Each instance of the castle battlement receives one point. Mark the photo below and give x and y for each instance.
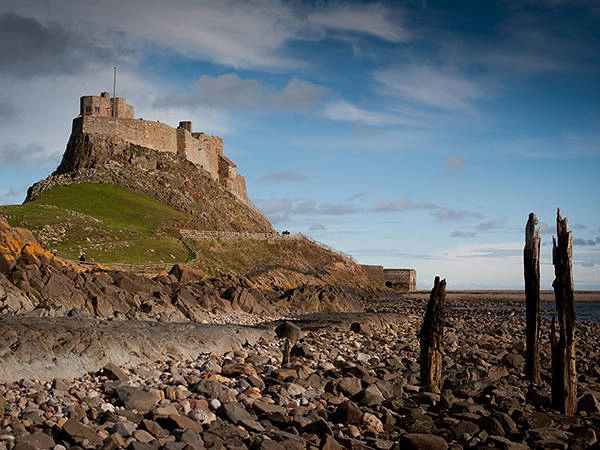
(113, 117)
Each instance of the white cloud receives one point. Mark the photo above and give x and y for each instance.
(403, 204)
(347, 112)
(336, 209)
(240, 34)
(429, 86)
(491, 224)
(455, 163)
(449, 214)
(230, 92)
(369, 19)
(463, 234)
(282, 175)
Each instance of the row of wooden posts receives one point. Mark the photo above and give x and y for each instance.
(564, 376)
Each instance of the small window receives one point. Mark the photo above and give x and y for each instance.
(96, 109)
(88, 109)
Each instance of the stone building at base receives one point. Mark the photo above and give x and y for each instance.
(404, 280)
(401, 279)
(113, 117)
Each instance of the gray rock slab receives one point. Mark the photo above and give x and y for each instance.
(49, 348)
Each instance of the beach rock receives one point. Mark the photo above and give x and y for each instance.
(371, 423)
(507, 444)
(328, 442)
(202, 416)
(36, 440)
(422, 441)
(416, 422)
(514, 360)
(114, 372)
(464, 430)
(288, 330)
(236, 369)
(347, 412)
(76, 433)
(370, 396)
(136, 398)
(588, 402)
(175, 421)
(186, 274)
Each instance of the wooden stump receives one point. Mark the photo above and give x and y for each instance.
(531, 265)
(564, 375)
(431, 338)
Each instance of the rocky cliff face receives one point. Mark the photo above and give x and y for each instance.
(166, 177)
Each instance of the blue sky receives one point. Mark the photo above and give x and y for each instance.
(407, 134)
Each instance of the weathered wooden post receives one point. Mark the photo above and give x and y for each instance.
(431, 338)
(531, 265)
(564, 375)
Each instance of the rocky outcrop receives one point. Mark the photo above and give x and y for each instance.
(34, 281)
(166, 177)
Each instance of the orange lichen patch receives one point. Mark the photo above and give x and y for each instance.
(10, 248)
(19, 244)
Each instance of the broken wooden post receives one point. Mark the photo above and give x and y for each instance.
(531, 265)
(431, 338)
(564, 375)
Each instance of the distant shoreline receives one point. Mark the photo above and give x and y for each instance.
(507, 295)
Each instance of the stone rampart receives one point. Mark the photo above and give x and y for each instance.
(375, 273)
(401, 279)
(193, 150)
(237, 186)
(154, 135)
(212, 147)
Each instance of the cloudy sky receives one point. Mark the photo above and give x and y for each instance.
(404, 133)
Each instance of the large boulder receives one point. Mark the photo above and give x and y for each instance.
(312, 298)
(186, 274)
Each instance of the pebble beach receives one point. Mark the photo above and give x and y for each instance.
(352, 382)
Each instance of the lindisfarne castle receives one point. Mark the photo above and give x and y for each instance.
(114, 118)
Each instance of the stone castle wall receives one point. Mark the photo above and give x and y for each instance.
(374, 272)
(154, 135)
(237, 186)
(113, 117)
(212, 148)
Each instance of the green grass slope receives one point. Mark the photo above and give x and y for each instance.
(105, 222)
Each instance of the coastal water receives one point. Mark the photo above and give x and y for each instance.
(584, 312)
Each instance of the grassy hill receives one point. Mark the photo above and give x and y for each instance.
(112, 224)
(105, 222)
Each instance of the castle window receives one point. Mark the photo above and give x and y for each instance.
(88, 109)
(96, 109)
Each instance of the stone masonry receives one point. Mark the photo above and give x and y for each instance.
(404, 280)
(113, 117)
(401, 279)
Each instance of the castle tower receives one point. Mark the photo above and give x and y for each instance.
(104, 106)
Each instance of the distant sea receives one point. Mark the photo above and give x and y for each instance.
(584, 311)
